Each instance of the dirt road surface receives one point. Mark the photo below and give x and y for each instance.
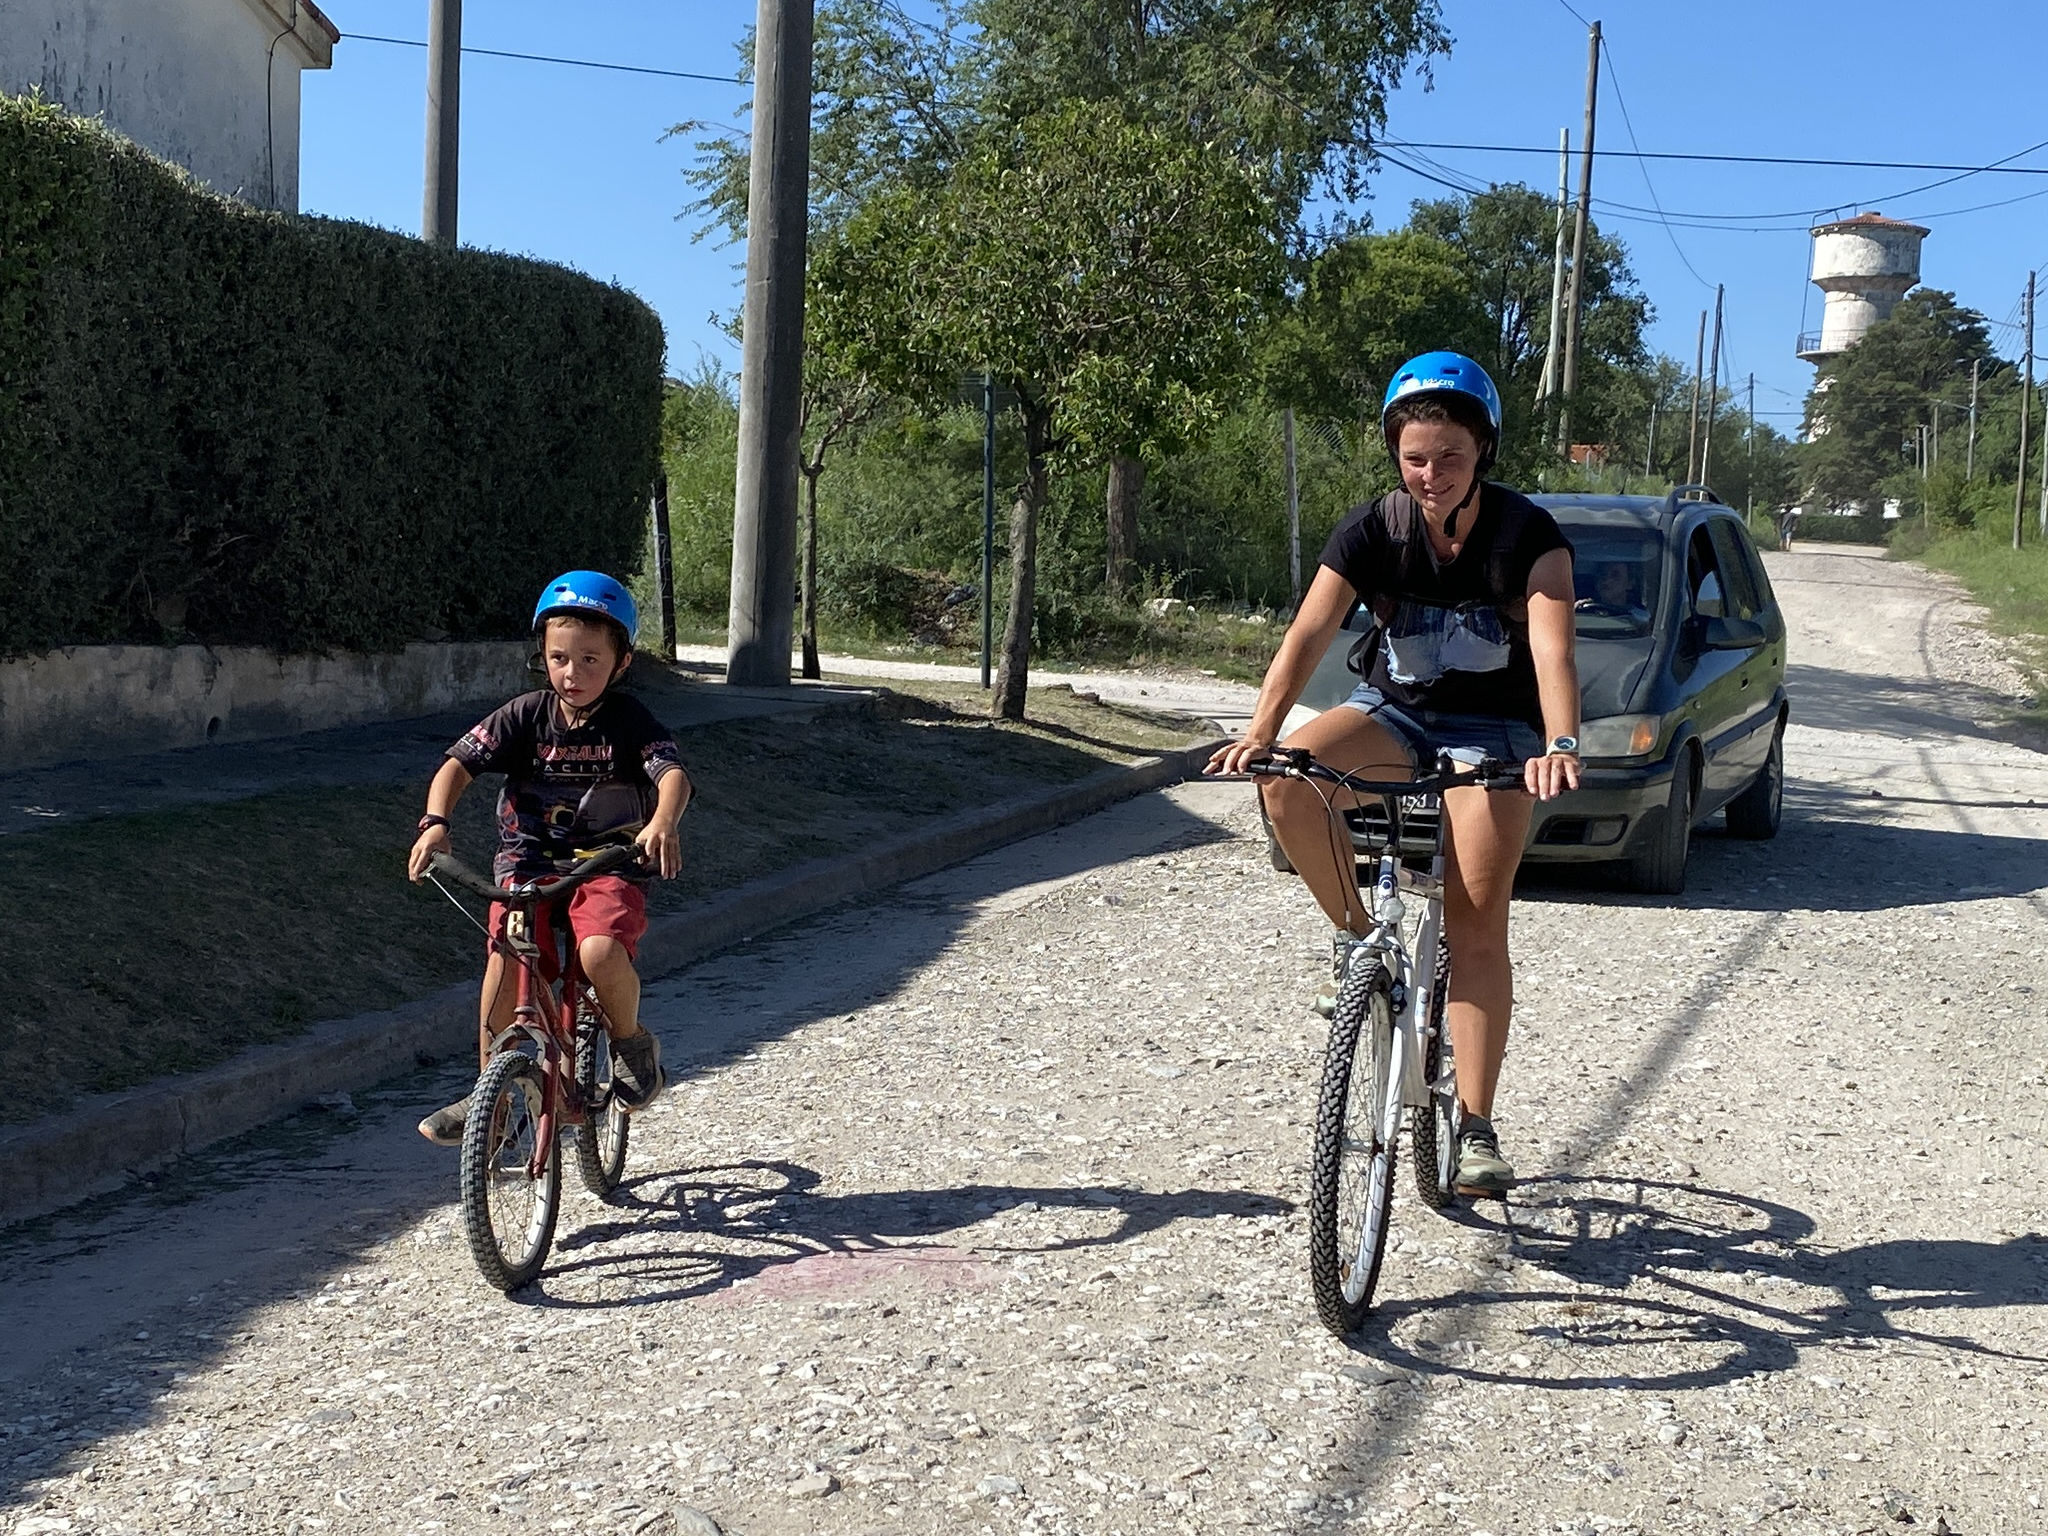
(977, 1211)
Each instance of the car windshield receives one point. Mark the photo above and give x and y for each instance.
(1615, 571)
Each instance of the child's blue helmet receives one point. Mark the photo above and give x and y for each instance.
(588, 594)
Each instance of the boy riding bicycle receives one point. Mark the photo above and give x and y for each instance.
(570, 753)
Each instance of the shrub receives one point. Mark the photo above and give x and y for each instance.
(235, 426)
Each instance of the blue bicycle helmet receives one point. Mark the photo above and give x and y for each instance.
(586, 594)
(1448, 373)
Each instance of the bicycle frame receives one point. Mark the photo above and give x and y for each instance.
(546, 1021)
(1413, 973)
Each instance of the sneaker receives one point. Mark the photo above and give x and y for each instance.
(444, 1126)
(1340, 952)
(637, 1078)
(1481, 1169)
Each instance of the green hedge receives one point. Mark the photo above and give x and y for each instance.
(233, 426)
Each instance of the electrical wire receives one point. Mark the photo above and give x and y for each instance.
(544, 58)
(1996, 168)
(1614, 84)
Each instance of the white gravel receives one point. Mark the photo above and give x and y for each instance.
(978, 1214)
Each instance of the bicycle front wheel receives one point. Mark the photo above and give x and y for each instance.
(1351, 1166)
(1433, 1130)
(508, 1210)
(601, 1138)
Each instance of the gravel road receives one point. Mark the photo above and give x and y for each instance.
(978, 1212)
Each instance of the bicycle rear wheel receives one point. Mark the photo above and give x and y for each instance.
(601, 1138)
(1351, 1166)
(507, 1211)
(1433, 1131)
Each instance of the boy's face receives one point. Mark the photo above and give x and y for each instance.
(581, 658)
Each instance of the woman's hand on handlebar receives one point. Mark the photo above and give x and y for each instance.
(432, 841)
(1551, 775)
(1236, 756)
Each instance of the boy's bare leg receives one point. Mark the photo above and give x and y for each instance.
(495, 1007)
(611, 973)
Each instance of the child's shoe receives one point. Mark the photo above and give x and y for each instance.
(637, 1077)
(444, 1126)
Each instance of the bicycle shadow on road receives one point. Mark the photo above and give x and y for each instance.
(1745, 1288)
(699, 1232)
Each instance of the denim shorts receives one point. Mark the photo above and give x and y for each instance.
(1425, 732)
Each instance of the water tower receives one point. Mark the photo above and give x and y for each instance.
(1863, 266)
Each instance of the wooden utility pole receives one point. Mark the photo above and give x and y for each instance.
(1293, 505)
(2019, 490)
(1650, 452)
(1713, 395)
(1548, 386)
(1970, 453)
(1692, 440)
(988, 523)
(444, 121)
(772, 351)
(1568, 376)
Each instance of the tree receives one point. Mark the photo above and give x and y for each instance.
(1866, 403)
(1108, 271)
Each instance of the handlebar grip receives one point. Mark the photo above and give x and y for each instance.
(455, 872)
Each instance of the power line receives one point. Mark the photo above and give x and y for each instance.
(544, 58)
(1995, 169)
(1614, 84)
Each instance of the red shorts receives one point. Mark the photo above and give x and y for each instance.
(609, 905)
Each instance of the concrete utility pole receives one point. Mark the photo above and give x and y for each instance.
(762, 606)
(664, 564)
(988, 522)
(1749, 476)
(2019, 490)
(1569, 375)
(1970, 453)
(1713, 394)
(1548, 386)
(1650, 452)
(1692, 439)
(444, 121)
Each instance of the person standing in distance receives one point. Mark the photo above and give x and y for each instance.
(1471, 587)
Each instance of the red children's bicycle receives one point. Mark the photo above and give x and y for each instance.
(548, 1072)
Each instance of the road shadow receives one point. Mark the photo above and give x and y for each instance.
(1753, 1290)
(1831, 699)
(718, 1227)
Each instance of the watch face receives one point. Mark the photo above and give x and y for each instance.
(1564, 744)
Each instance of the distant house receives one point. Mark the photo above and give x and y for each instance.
(210, 84)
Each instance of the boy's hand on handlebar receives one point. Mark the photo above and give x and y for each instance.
(432, 841)
(1236, 756)
(661, 846)
(1551, 775)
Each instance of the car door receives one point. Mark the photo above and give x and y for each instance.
(1749, 742)
(1710, 681)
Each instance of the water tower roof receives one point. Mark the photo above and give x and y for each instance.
(1868, 221)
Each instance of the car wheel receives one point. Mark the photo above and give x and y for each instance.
(1755, 812)
(1275, 854)
(1659, 869)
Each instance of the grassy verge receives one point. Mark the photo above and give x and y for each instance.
(168, 941)
(1102, 636)
(2012, 584)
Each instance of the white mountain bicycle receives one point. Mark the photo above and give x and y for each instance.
(1389, 1050)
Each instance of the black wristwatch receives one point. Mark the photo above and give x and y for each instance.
(432, 820)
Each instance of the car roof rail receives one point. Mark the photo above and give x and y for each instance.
(1691, 493)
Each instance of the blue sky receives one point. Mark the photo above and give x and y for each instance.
(569, 164)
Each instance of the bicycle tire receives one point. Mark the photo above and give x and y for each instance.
(601, 1138)
(1433, 1130)
(1346, 1246)
(498, 1146)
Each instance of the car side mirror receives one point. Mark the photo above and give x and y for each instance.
(1720, 633)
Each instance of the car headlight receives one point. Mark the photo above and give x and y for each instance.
(1618, 736)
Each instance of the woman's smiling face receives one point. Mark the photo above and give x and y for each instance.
(1439, 460)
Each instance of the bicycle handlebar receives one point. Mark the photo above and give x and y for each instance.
(1488, 773)
(529, 894)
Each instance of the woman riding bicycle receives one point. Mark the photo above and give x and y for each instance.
(1471, 585)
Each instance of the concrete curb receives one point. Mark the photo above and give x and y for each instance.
(112, 1137)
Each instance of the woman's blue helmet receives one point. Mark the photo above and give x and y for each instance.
(588, 594)
(1445, 373)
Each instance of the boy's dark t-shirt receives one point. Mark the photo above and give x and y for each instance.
(550, 766)
(1454, 635)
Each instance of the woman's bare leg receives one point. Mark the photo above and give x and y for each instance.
(1348, 740)
(1487, 831)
